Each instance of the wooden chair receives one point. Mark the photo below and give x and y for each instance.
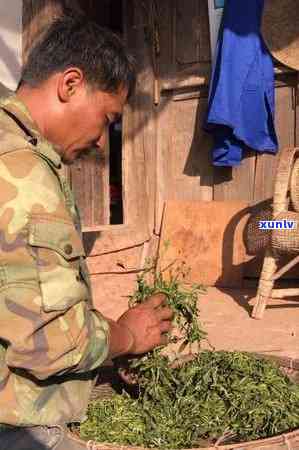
(281, 242)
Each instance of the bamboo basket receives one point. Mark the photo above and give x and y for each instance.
(109, 382)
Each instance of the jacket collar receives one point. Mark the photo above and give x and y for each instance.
(16, 108)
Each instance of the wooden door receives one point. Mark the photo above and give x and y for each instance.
(184, 169)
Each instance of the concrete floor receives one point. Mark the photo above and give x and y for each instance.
(225, 315)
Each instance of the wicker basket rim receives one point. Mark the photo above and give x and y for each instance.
(283, 438)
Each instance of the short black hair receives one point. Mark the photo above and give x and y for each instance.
(80, 42)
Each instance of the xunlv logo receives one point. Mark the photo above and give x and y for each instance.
(277, 224)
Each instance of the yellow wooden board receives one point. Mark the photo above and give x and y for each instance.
(208, 237)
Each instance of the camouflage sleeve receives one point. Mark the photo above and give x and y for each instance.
(45, 316)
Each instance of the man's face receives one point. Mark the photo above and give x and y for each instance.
(87, 119)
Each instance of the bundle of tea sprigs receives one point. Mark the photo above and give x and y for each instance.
(217, 396)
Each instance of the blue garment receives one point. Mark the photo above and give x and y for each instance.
(241, 99)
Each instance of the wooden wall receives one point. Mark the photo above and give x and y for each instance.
(183, 168)
(38, 14)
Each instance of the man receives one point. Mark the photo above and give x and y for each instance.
(75, 83)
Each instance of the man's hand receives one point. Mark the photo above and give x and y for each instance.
(141, 328)
(148, 323)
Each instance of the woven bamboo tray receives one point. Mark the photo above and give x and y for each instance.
(109, 382)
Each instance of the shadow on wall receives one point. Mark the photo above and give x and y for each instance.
(255, 242)
(198, 160)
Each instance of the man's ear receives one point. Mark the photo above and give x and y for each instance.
(68, 83)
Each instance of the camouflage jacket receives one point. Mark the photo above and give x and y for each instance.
(51, 338)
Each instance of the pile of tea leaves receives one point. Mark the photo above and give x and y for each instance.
(218, 396)
(229, 395)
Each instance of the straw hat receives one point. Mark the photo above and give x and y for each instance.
(280, 30)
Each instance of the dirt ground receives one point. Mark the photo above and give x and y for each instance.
(225, 315)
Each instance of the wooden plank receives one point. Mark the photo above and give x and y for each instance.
(114, 238)
(167, 68)
(120, 262)
(167, 65)
(184, 171)
(191, 33)
(135, 195)
(204, 33)
(190, 173)
(187, 45)
(236, 183)
(185, 53)
(212, 248)
(90, 184)
(100, 185)
(134, 186)
(144, 132)
(187, 79)
(163, 149)
(285, 116)
(265, 176)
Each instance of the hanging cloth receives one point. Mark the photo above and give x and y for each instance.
(241, 98)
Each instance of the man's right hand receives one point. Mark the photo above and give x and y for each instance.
(141, 328)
